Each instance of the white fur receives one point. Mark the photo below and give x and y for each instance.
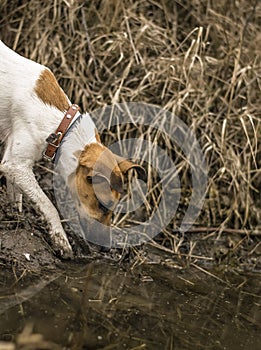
(25, 123)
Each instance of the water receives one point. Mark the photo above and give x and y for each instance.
(104, 305)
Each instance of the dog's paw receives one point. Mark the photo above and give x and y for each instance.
(61, 245)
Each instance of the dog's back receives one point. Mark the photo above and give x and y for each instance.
(17, 80)
(32, 104)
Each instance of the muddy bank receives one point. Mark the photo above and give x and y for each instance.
(25, 250)
(24, 240)
(28, 251)
(24, 243)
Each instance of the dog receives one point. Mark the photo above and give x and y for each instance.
(33, 108)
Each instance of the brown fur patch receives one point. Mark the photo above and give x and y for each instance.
(49, 91)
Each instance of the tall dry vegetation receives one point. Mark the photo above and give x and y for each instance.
(198, 59)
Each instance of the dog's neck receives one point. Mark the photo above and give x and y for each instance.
(77, 115)
(80, 133)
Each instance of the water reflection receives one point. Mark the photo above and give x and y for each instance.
(107, 306)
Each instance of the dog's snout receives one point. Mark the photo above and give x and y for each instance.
(106, 207)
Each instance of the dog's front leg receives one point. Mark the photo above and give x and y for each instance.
(24, 178)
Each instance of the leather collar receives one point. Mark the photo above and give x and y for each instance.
(54, 140)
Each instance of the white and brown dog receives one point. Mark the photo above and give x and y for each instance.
(33, 107)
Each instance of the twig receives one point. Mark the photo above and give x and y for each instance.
(209, 273)
(220, 229)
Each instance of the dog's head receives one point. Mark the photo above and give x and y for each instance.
(99, 181)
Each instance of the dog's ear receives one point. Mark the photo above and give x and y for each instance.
(125, 165)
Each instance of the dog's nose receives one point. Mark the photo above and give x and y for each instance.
(106, 207)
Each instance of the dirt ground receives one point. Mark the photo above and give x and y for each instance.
(23, 235)
(24, 242)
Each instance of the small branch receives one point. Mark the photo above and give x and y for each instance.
(220, 229)
(209, 273)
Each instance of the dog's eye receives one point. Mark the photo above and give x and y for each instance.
(95, 180)
(89, 179)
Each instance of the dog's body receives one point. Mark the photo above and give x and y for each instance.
(32, 106)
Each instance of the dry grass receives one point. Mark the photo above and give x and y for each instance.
(198, 59)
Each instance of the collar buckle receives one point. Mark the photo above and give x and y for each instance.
(55, 138)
